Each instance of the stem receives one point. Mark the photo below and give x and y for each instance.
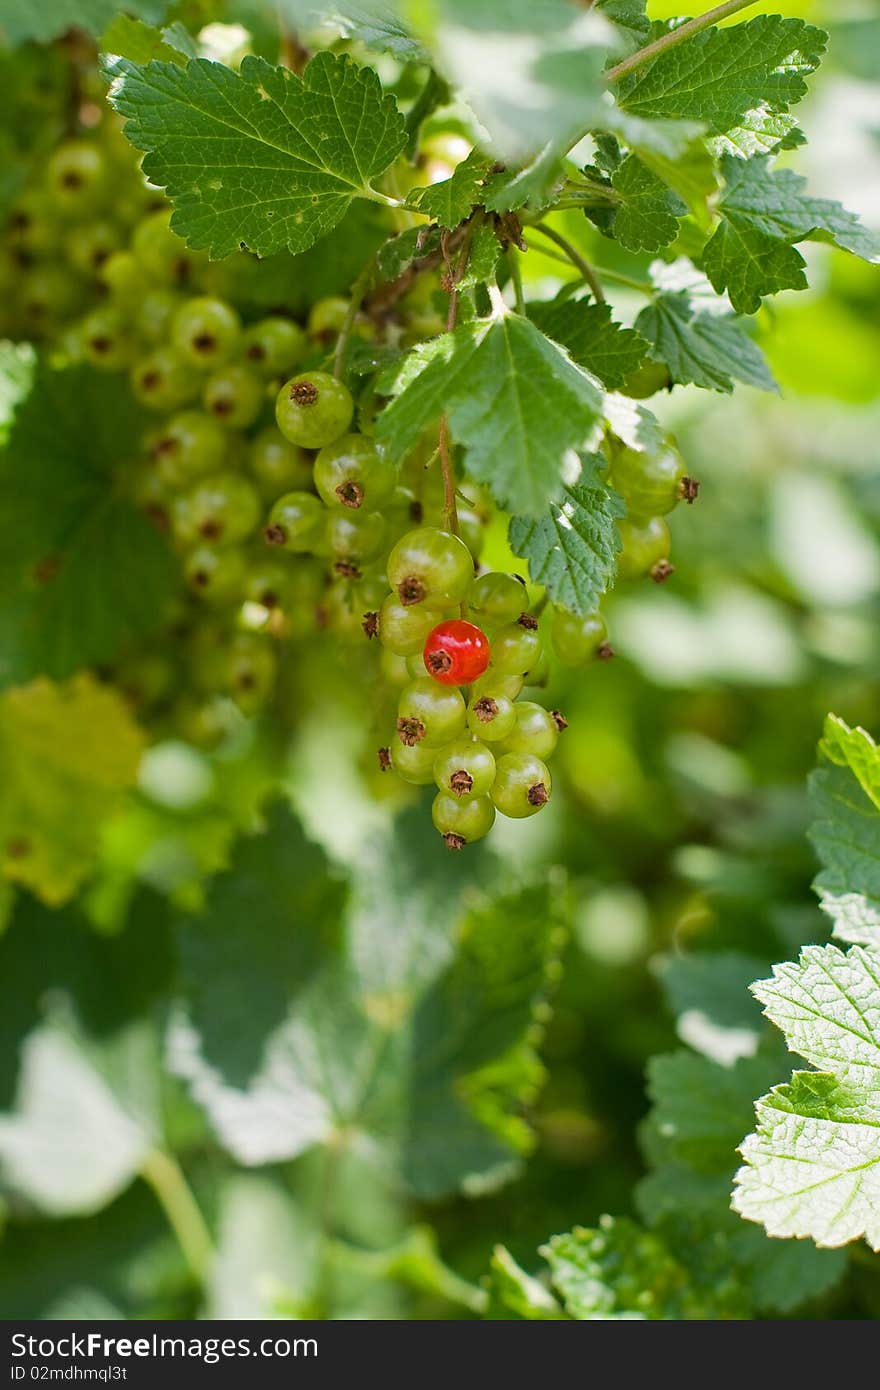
(450, 510)
(164, 1175)
(358, 290)
(575, 257)
(629, 280)
(674, 37)
(434, 93)
(516, 277)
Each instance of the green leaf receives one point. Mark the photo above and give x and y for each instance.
(84, 1119)
(699, 1109)
(130, 38)
(762, 213)
(628, 16)
(709, 994)
(485, 249)
(646, 212)
(711, 350)
(452, 200)
(400, 251)
(592, 337)
(691, 173)
(266, 1248)
(403, 1032)
(572, 549)
(845, 799)
(308, 146)
(514, 1293)
(719, 75)
(619, 1271)
(20, 20)
(531, 73)
(536, 183)
(812, 1167)
(373, 22)
(514, 400)
(82, 572)
(67, 755)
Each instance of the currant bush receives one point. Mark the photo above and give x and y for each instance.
(261, 463)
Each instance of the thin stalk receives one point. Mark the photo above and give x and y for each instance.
(164, 1175)
(450, 510)
(575, 257)
(516, 278)
(675, 37)
(629, 280)
(453, 275)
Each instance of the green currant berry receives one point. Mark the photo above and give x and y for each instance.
(472, 530)
(403, 630)
(645, 550)
(191, 445)
(516, 647)
(162, 253)
(91, 245)
(497, 598)
(273, 346)
(354, 536)
(32, 226)
(162, 381)
(313, 409)
(208, 656)
(351, 473)
(539, 674)
(651, 484)
(646, 380)
(146, 678)
(462, 822)
(414, 762)
(202, 723)
(225, 509)
(206, 331)
(48, 295)
(536, 730)
(430, 713)
(393, 668)
(491, 717)
(296, 521)
(269, 581)
(153, 314)
(76, 177)
(218, 576)
(494, 683)
(124, 280)
(576, 640)
(349, 605)
(105, 338)
(233, 395)
(466, 768)
(327, 317)
(277, 465)
(251, 671)
(430, 566)
(522, 785)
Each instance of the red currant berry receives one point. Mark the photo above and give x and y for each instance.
(456, 652)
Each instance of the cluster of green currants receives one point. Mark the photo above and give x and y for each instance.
(65, 234)
(651, 482)
(462, 649)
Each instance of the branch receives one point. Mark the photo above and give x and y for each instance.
(574, 256)
(674, 37)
